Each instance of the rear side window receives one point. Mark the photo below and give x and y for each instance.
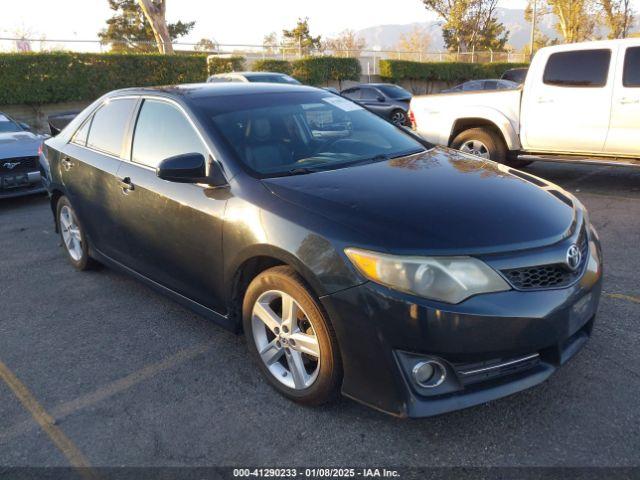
(162, 131)
(582, 68)
(109, 125)
(491, 85)
(631, 77)
(80, 137)
(369, 94)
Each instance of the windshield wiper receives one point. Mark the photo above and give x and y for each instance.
(301, 171)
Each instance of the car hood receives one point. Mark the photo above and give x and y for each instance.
(439, 201)
(19, 144)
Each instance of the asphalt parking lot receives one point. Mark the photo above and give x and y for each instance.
(110, 373)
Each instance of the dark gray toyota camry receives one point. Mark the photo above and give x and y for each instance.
(355, 257)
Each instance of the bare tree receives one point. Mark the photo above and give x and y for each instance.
(413, 45)
(155, 11)
(346, 44)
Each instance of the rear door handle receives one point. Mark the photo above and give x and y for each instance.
(127, 185)
(66, 163)
(629, 101)
(545, 100)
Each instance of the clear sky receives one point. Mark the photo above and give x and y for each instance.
(228, 22)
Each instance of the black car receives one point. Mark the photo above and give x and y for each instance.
(355, 257)
(516, 75)
(385, 99)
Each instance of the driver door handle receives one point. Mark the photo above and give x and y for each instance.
(127, 185)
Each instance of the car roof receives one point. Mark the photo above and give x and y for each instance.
(205, 90)
(250, 74)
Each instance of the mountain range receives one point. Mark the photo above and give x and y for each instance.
(384, 37)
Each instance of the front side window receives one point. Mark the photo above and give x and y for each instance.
(162, 131)
(395, 92)
(631, 77)
(369, 94)
(109, 125)
(580, 68)
(292, 133)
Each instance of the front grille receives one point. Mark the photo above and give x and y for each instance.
(557, 275)
(18, 164)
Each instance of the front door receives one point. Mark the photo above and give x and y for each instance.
(624, 130)
(568, 108)
(174, 230)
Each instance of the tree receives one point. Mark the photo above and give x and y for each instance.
(270, 43)
(618, 16)
(300, 38)
(540, 40)
(576, 19)
(130, 30)
(413, 45)
(206, 45)
(469, 24)
(346, 44)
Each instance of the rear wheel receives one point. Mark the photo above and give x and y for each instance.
(398, 117)
(486, 143)
(73, 237)
(292, 341)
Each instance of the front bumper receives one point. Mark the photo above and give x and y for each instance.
(384, 333)
(19, 184)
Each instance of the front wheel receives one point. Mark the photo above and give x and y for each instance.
(486, 143)
(292, 341)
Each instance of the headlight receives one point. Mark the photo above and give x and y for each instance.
(446, 279)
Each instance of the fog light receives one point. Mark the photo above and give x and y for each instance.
(429, 374)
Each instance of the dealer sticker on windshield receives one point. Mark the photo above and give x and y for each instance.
(342, 103)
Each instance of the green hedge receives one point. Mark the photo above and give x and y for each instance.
(224, 64)
(39, 78)
(271, 65)
(321, 70)
(397, 70)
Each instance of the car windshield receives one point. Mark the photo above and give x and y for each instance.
(8, 126)
(272, 79)
(291, 133)
(394, 91)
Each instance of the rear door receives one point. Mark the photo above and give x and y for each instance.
(624, 130)
(567, 109)
(89, 163)
(174, 230)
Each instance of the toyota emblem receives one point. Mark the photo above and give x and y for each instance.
(573, 257)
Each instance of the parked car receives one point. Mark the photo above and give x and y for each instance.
(354, 255)
(19, 172)
(580, 103)
(478, 85)
(385, 99)
(253, 77)
(60, 120)
(517, 75)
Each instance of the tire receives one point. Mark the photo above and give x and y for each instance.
(398, 117)
(285, 345)
(73, 236)
(482, 142)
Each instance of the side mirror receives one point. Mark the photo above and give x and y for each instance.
(381, 99)
(190, 168)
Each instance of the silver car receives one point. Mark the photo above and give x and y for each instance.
(19, 166)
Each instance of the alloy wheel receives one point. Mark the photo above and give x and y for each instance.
(475, 147)
(399, 118)
(71, 233)
(285, 339)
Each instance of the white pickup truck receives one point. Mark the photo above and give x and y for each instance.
(579, 103)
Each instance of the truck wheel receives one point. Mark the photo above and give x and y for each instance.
(482, 142)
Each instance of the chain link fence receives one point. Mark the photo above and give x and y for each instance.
(369, 58)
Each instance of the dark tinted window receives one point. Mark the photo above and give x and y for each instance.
(369, 94)
(491, 85)
(394, 91)
(109, 125)
(582, 68)
(632, 68)
(162, 131)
